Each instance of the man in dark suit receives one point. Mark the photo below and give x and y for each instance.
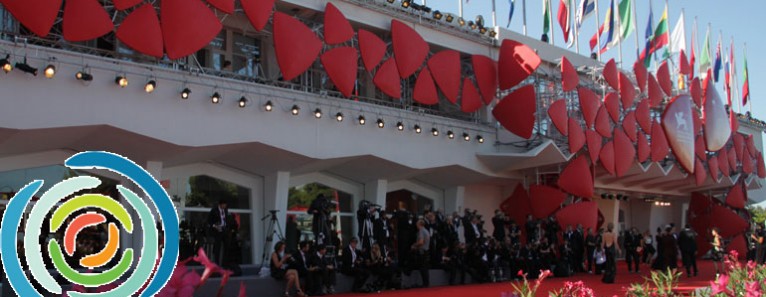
(382, 231)
(321, 273)
(472, 231)
(352, 265)
(217, 221)
(687, 243)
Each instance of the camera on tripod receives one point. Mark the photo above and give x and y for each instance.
(365, 205)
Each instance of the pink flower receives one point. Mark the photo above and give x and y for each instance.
(719, 286)
(210, 267)
(544, 274)
(520, 273)
(242, 292)
(752, 289)
(182, 283)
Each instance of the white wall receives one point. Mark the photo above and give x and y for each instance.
(485, 199)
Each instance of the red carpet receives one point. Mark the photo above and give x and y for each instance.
(624, 280)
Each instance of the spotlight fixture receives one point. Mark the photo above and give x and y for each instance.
(339, 116)
(466, 137)
(295, 109)
(381, 123)
(437, 15)
(492, 33)
(83, 76)
(242, 102)
(434, 132)
(472, 25)
(186, 92)
(362, 120)
(406, 3)
(318, 113)
(391, 1)
(6, 63)
(268, 106)
(215, 98)
(603, 195)
(482, 30)
(23, 66)
(479, 21)
(461, 21)
(450, 134)
(480, 139)
(449, 18)
(50, 71)
(399, 126)
(417, 129)
(150, 86)
(121, 80)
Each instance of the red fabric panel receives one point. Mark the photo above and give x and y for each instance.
(569, 77)
(748, 164)
(226, 6)
(85, 20)
(736, 196)
(643, 116)
(750, 144)
(188, 26)
(425, 89)
(576, 136)
(589, 105)
(659, 143)
(643, 147)
(517, 206)
(607, 157)
(695, 89)
(713, 167)
(739, 145)
(655, 92)
(558, 114)
(337, 29)
(727, 221)
(734, 122)
(485, 70)
(627, 91)
(410, 49)
(585, 213)
(732, 158)
(679, 130)
(683, 63)
(296, 45)
(738, 244)
(125, 4)
(470, 100)
(700, 204)
(699, 148)
(641, 75)
(594, 144)
(624, 152)
(341, 65)
(372, 49)
(663, 77)
(387, 79)
(141, 31)
(723, 162)
(603, 123)
(697, 122)
(516, 112)
(612, 103)
(629, 125)
(717, 127)
(38, 16)
(445, 68)
(517, 62)
(576, 178)
(610, 74)
(700, 175)
(545, 200)
(761, 166)
(258, 12)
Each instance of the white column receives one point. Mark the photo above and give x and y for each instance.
(454, 199)
(275, 194)
(375, 191)
(615, 219)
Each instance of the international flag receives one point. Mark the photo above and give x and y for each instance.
(565, 21)
(717, 64)
(594, 40)
(746, 85)
(678, 38)
(727, 78)
(732, 70)
(612, 37)
(512, 3)
(692, 56)
(546, 17)
(626, 19)
(584, 10)
(661, 37)
(646, 54)
(705, 59)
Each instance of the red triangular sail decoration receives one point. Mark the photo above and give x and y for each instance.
(558, 114)
(258, 12)
(607, 157)
(700, 204)
(517, 206)
(296, 45)
(445, 69)
(610, 74)
(584, 213)
(700, 175)
(125, 4)
(387, 79)
(643, 116)
(713, 168)
(717, 127)
(189, 25)
(141, 31)
(341, 66)
(679, 130)
(516, 112)
(594, 141)
(485, 70)
(612, 103)
(696, 122)
(225, 6)
(629, 125)
(337, 29)
(517, 62)
(727, 221)
(624, 153)
(576, 136)
(655, 92)
(470, 100)
(723, 162)
(750, 144)
(372, 49)
(545, 200)
(425, 89)
(641, 75)
(663, 77)
(699, 148)
(643, 148)
(761, 166)
(569, 77)
(695, 90)
(576, 178)
(739, 145)
(85, 20)
(627, 91)
(683, 63)
(659, 143)
(410, 49)
(732, 154)
(38, 16)
(603, 125)
(589, 105)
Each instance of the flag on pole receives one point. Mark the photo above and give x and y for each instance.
(727, 78)
(546, 17)
(661, 37)
(646, 54)
(510, 13)
(732, 71)
(565, 21)
(705, 59)
(610, 27)
(693, 57)
(594, 40)
(584, 10)
(717, 64)
(746, 85)
(627, 25)
(678, 38)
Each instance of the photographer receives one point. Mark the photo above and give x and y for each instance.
(405, 235)
(498, 221)
(382, 232)
(352, 261)
(320, 209)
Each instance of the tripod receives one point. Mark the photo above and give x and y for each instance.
(274, 228)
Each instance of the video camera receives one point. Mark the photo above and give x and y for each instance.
(365, 205)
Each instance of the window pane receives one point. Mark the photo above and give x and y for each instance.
(300, 197)
(206, 191)
(194, 235)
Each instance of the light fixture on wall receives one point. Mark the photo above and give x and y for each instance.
(400, 126)
(214, 99)
(5, 63)
(417, 129)
(434, 132)
(450, 134)
(268, 106)
(242, 102)
(150, 86)
(186, 92)
(318, 113)
(23, 66)
(362, 120)
(84, 76)
(339, 116)
(50, 71)
(381, 123)
(121, 80)
(295, 110)
(480, 139)
(466, 137)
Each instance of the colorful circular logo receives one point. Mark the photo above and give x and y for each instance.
(151, 271)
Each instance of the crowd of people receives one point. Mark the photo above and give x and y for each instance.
(388, 246)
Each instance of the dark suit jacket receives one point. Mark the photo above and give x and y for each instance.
(214, 216)
(347, 260)
(470, 234)
(687, 242)
(301, 263)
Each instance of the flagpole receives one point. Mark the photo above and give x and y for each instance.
(460, 8)
(574, 24)
(598, 36)
(524, 13)
(616, 9)
(667, 22)
(635, 25)
(734, 85)
(550, 20)
(494, 15)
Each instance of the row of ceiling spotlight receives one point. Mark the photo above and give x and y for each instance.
(478, 24)
(610, 196)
